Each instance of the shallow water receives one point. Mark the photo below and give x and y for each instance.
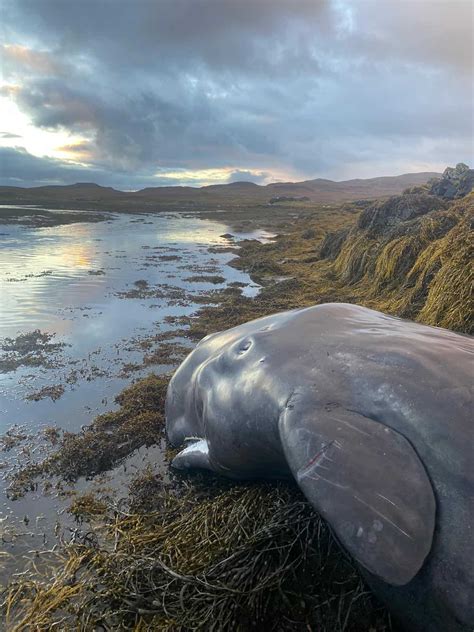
(66, 280)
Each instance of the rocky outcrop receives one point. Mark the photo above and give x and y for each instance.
(382, 217)
(456, 182)
(416, 252)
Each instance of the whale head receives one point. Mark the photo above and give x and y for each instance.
(223, 403)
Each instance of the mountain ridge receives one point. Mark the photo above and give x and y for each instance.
(316, 190)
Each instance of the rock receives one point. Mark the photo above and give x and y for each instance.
(456, 182)
(383, 216)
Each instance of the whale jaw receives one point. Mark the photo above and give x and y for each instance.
(195, 455)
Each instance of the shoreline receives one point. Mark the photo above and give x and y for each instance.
(302, 266)
(39, 217)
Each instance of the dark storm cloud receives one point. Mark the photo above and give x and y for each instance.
(18, 168)
(218, 33)
(304, 88)
(146, 129)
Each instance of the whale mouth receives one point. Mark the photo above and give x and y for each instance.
(194, 455)
(179, 432)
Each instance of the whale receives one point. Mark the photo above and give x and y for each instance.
(372, 416)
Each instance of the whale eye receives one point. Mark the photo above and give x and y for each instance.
(245, 346)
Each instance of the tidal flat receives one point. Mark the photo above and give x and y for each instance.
(84, 307)
(141, 548)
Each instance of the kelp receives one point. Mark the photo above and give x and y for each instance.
(237, 557)
(207, 554)
(422, 269)
(449, 301)
(108, 439)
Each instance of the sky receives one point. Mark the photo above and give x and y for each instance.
(137, 93)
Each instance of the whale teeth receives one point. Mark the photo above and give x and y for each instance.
(191, 439)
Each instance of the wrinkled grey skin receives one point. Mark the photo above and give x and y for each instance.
(372, 416)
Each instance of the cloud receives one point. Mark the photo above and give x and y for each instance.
(19, 168)
(241, 175)
(214, 33)
(304, 88)
(435, 33)
(80, 151)
(8, 135)
(21, 59)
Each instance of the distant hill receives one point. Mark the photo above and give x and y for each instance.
(327, 190)
(86, 194)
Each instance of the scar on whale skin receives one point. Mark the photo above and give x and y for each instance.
(316, 460)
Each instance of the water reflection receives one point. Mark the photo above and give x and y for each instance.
(65, 280)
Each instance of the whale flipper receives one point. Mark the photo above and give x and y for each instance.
(367, 481)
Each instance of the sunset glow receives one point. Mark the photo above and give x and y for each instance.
(37, 141)
(289, 90)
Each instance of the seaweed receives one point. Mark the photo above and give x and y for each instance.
(106, 441)
(13, 437)
(35, 348)
(216, 279)
(54, 392)
(249, 556)
(420, 269)
(206, 553)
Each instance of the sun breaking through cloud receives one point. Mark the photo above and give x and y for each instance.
(208, 91)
